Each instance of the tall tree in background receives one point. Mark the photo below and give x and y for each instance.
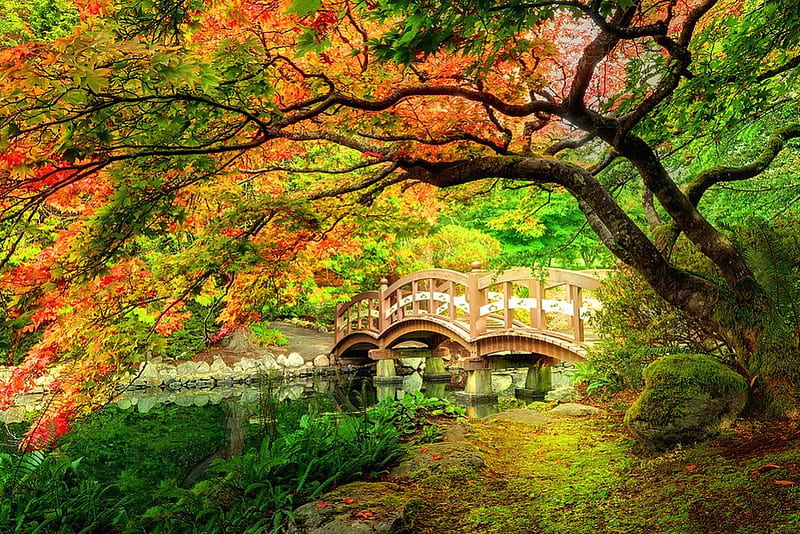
(244, 125)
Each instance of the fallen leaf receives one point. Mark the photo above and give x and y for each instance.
(436, 457)
(423, 450)
(323, 504)
(364, 514)
(783, 482)
(764, 468)
(691, 467)
(348, 500)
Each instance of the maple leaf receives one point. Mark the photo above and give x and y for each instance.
(436, 457)
(348, 500)
(691, 467)
(323, 504)
(364, 514)
(783, 482)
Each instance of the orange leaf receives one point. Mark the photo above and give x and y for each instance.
(364, 514)
(764, 468)
(783, 482)
(323, 504)
(348, 500)
(436, 457)
(423, 450)
(691, 467)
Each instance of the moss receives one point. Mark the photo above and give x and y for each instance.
(698, 370)
(671, 380)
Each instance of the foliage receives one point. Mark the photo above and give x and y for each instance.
(411, 413)
(54, 496)
(268, 337)
(22, 21)
(176, 150)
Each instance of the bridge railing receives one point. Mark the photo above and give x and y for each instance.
(478, 303)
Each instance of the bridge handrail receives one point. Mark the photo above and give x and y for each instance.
(389, 304)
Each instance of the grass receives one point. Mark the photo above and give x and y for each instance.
(586, 476)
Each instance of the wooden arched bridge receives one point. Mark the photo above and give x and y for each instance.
(477, 317)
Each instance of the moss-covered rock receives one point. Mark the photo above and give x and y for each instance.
(687, 398)
(357, 508)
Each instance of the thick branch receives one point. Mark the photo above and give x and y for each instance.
(618, 232)
(776, 142)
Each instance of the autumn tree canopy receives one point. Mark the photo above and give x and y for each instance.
(181, 149)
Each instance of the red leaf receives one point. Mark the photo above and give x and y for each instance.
(436, 457)
(783, 482)
(423, 450)
(364, 514)
(348, 500)
(323, 504)
(691, 467)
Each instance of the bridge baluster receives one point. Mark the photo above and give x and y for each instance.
(576, 295)
(508, 315)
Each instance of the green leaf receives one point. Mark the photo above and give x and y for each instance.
(304, 7)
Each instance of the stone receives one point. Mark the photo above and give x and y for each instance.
(413, 363)
(573, 409)
(295, 360)
(412, 383)
(686, 398)
(281, 360)
(439, 458)
(268, 363)
(501, 382)
(390, 508)
(322, 361)
(218, 366)
(187, 368)
(203, 368)
(562, 394)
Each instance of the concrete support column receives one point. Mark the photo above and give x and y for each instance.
(538, 382)
(386, 373)
(435, 370)
(478, 387)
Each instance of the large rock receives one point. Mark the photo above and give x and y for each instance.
(687, 398)
(434, 458)
(573, 409)
(357, 508)
(562, 394)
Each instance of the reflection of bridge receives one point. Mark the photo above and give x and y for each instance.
(480, 318)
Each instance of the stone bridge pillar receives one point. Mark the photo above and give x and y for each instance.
(538, 382)
(478, 388)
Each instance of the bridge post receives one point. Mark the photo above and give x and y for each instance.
(538, 382)
(435, 370)
(382, 305)
(478, 388)
(476, 299)
(386, 373)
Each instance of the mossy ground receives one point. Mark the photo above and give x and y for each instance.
(588, 476)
